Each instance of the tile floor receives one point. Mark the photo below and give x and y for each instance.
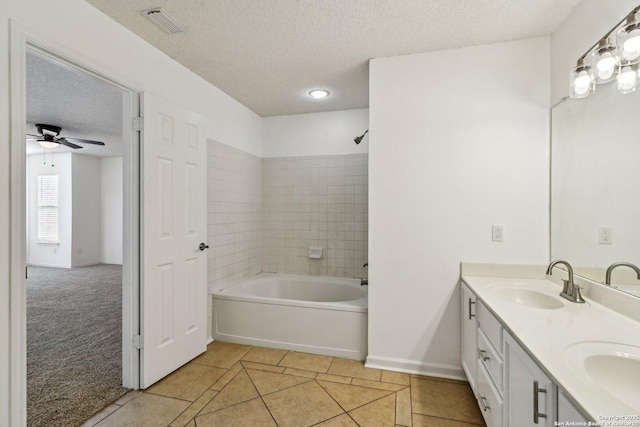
(238, 385)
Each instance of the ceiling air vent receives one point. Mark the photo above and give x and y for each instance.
(162, 19)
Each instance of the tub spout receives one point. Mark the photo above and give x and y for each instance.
(363, 281)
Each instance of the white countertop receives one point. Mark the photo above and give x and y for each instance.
(546, 333)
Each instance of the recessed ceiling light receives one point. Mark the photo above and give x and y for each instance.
(318, 93)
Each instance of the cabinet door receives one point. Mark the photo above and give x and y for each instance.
(469, 335)
(567, 412)
(530, 396)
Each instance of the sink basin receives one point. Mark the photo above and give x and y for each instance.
(612, 367)
(529, 298)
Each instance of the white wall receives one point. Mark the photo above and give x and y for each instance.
(90, 211)
(589, 21)
(315, 134)
(49, 254)
(459, 141)
(86, 235)
(112, 209)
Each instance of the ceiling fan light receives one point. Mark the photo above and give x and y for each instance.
(48, 144)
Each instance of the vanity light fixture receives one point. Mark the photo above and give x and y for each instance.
(605, 61)
(318, 93)
(628, 78)
(582, 80)
(628, 38)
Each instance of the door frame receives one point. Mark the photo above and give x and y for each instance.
(23, 39)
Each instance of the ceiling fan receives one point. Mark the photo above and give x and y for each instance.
(48, 138)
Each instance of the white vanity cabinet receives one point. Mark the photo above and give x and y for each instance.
(482, 356)
(490, 367)
(469, 335)
(530, 396)
(511, 389)
(567, 412)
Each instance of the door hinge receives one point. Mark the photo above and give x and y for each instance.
(138, 122)
(138, 342)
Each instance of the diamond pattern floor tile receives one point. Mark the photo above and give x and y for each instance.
(240, 389)
(237, 385)
(303, 405)
(188, 382)
(251, 413)
(448, 400)
(380, 413)
(269, 382)
(343, 420)
(351, 397)
(306, 361)
(222, 354)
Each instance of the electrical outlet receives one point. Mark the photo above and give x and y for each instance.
(497, 233)
(605, 236)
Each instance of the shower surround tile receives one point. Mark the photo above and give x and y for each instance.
(234, 181)
(318, 201)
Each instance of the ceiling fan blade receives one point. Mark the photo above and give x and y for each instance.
(82, 141)
(37, 136)
(33, 139)
(66, 143)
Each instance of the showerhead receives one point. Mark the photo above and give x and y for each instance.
(358, 139)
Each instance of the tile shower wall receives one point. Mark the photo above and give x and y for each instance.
(234, 215)
(315, 201)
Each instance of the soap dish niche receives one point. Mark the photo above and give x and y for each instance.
(315, 253)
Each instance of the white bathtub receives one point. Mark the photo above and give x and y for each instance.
(313, 314)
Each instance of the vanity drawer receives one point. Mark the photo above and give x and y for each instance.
(491, 360)
(489, 400)
(490, 326)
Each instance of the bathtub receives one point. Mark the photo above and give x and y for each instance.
(313, 314)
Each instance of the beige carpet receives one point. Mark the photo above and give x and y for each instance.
(74, 350)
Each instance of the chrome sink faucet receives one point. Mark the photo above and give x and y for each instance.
(607, 280)
(570, 290)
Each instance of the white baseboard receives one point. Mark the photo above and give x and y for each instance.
(31, 264)
(415, 367)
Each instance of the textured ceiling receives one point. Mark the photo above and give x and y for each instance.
(268, 53)
(82, 105)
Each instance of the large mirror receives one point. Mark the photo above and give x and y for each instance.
(595, 185)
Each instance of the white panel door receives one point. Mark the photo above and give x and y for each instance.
(174, 223)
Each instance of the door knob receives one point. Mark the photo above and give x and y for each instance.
(203, 246)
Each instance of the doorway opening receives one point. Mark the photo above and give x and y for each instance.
(81, 239)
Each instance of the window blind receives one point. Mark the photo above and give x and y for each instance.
(48, 208)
